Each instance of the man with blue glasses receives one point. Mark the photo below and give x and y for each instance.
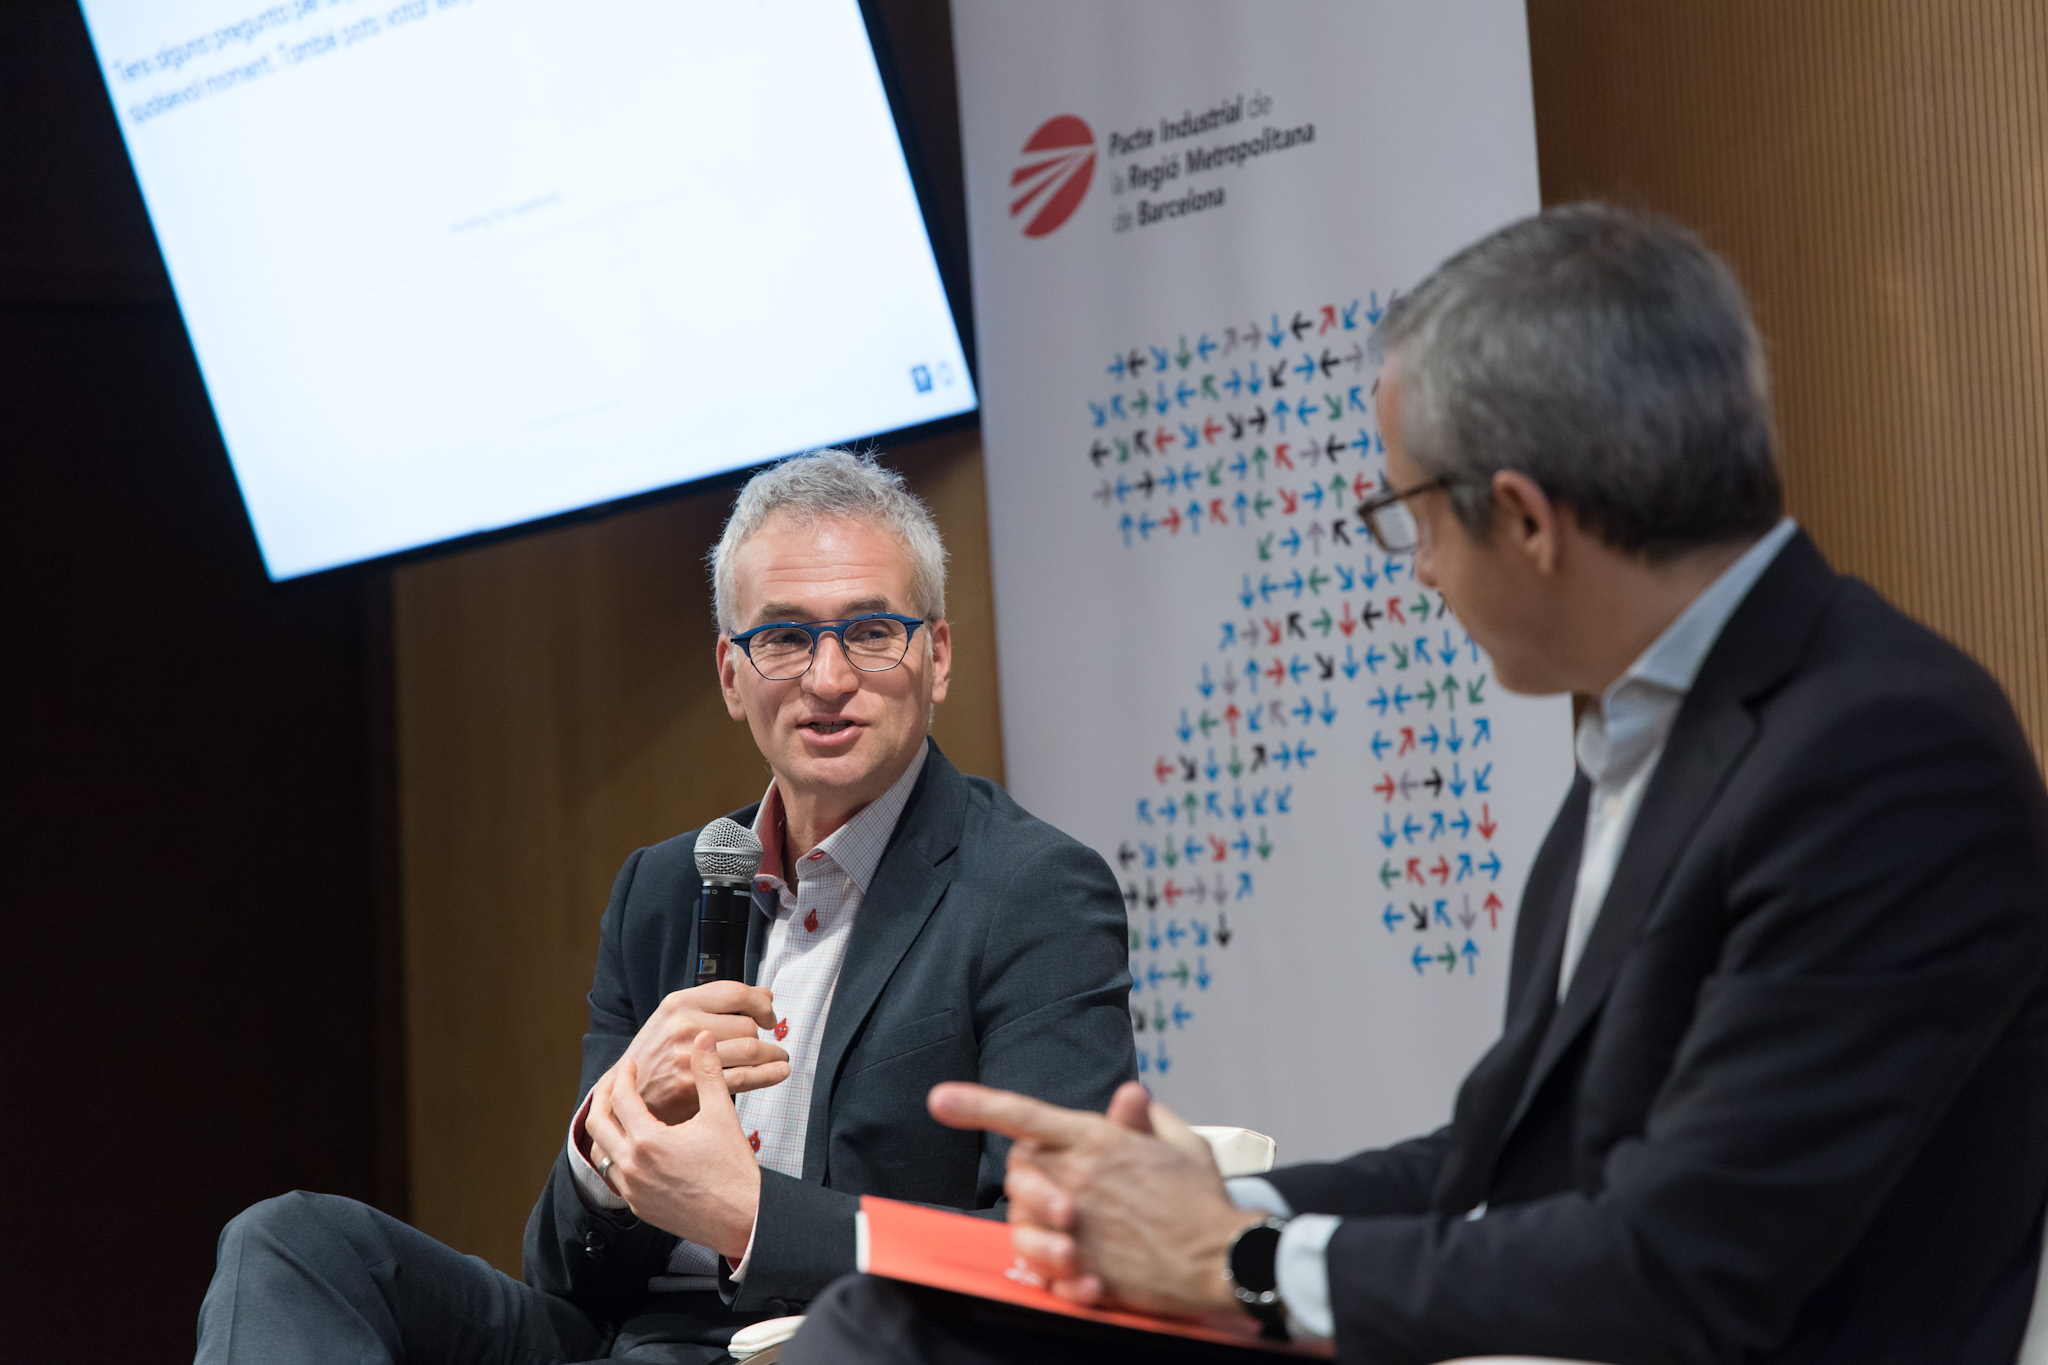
(911, 925)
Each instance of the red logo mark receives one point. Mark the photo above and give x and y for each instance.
(1059, 161)
(811, 921)
(782, 1030)
(754, 1139)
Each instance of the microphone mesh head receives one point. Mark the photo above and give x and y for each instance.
(727, 851)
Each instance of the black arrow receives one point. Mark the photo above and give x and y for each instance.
(1370, 614)
(1188, 767)
(1125, 854)
(1098, 453)
(1130, 894)
(1299, 325)
(1145, 484)
(1151, 895)
(1236, 427)
(1276, 378)
(1257, 421)
(1331, 447)
(1223, 934)
(1258, 757)
(1142, 440)
(1338, 533)
(1421, 913)
(1328, 665)
(1294, 625)
(1435, 782)
(1329, 363)
(1137, 363)
(1137, 1019)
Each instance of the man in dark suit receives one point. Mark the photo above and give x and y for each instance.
(911, 925)
(1774, 1078)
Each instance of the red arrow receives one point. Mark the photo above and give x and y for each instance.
(1161, 439)
(1407, 740)
(1385, 786)
(1163, 770)
(1486, 822)
(1360, 486)
(1172, 893)
(1277, 672)
(1415, 872)
(1231, 716)
(1280, 460)
(1171, 521)
(1216, 511)
(1218, 847)
(1492, 908)
(1272, 631)
(1210, 428)
(1442, 870)
(1288, 502)
(1347, 622)
(1394, 611)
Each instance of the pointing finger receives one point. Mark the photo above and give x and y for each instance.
(960, 1104)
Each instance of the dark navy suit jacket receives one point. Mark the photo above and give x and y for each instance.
(989, 947)
(1794, 1106)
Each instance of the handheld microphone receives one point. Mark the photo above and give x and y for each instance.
(728, 859)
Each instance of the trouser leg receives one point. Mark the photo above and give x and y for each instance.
(308, 1278)
(861, 1319)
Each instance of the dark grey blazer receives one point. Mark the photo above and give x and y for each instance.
(1795, 1105)
(989, 947)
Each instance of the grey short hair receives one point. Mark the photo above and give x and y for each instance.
(1609, 356)
(824, 484)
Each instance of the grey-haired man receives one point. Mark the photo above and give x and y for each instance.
(912, 925)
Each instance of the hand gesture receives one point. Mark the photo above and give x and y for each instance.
(698, 1179)
(733, 1013)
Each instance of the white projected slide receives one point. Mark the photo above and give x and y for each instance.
(451, 265)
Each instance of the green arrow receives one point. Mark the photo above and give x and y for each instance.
(1472, 689)
(1400, 655)
(1260, 504)
(1259, 458)
(1159, 1015)
(1265, 845)
(1181, 974)
(1426, 694)
(1172, 858)
(1266, 547)
(1236, 764)
(1182, 357)
(1449, 957)
(1215, 473)
(1192, 805)
(1206, 724)
(1209, 386)
(1323, 622)
(1137, 940)
(1336, 408)
(1337, 487)
(1450, 691)
(1142, 403)
(1421, 607)
(1389, 874)
(1123, 451)
(1316, 579)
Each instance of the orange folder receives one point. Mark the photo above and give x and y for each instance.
(952, 1251)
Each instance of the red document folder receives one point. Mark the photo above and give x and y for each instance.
(953, 1251)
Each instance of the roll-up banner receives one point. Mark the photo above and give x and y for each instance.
(1186, 217)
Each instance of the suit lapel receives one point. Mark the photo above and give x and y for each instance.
(906, 887)
(1756, 650)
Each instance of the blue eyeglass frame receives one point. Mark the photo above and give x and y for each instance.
(745, 639)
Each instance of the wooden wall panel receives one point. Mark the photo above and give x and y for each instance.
(1877, 173)
(557, 708)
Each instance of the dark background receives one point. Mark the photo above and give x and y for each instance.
(199, 978)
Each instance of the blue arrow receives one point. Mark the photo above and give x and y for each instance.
(1451, 737)
(1203, 347)
(1145, 811)
(1159, 358)
(1181, 1015)
(1401, 700)
(1125, 527)
(1292, 540)
(1387, 831)
(1392, 567)
(1293, 583)
(1234, 384)
(1304, 711)
(1353, 400)
(1367, 575)
(1229, 636)
(1345, 578)
(1379, 701)
(1190, 436)
(1329, 712)
(1184, 730)
(1492, 866)
(1372, 309)
(1422, 648)
(1236, 803)
(1244, 885)
(1463, 824)
(1202, 973)
(1100, 413)
(1295, 668)
(1464, 866)
(1313, 495)
(1210, 767)
(1409, 829)
(1305, 409)
(1307, 368)
(1267, 587)
(1436, 825)
(1421, 958)
(1243, 844)
(1380, 745)
(1374, 657)
(1161, 1060)
(1457, 782)
(1471, 952)
(1276, 335)
(1192, 849)
(1151, 853)
(1441, 913)
(1429, 736)
(1480, 777)
(1350, 664)
(1174, 933)
(1302, 753)
(1146, 526)
(1183, 393)
(1351, 316)
(1206, 687)
(1259, 800)
(1115, 368)
(1392, 919)
(1482, 730)
(1281, 798)
(1152, 937)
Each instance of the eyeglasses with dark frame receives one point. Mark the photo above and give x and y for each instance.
(1389, 521)
(873, 643)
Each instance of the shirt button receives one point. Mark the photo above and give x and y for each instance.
(1609, 805)
(816, 856)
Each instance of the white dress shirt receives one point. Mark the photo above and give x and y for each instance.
(1619, 740)
(813, 922)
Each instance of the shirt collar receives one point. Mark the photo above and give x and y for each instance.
(1673, 660)
(855, 847)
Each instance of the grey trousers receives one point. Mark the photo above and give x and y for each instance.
(863, 1320)
(313, 1277)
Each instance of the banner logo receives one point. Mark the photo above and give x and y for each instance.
(1059, 161)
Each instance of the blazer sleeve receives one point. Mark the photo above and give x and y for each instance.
(598, 1260)
(1052, 996)
(1882, 898)
(1395, 1179)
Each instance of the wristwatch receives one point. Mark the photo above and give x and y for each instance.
(1252, 1269)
